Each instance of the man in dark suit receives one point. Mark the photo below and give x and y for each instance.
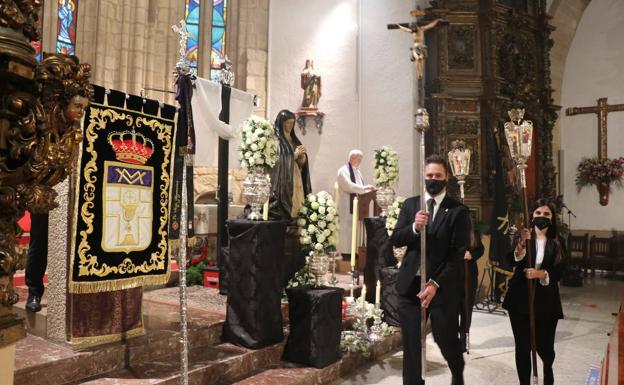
(448, 237)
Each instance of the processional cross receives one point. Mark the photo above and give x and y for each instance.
(421, 123)
(602, 109)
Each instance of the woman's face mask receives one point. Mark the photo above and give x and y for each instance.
(542, 217)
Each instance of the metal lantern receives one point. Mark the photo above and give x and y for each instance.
(459, 159)
(519, 135)
(422, 120)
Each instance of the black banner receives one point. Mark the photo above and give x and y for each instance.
(122, 192)
(500, 244)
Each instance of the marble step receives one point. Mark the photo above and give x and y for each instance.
(291, 374)
(207, 366)
(41, 361)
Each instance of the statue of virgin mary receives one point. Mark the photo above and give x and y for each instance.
(290, 178)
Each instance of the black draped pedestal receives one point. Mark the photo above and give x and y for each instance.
(315, 325)
(389, 297)
(378, 253)
(254, 317)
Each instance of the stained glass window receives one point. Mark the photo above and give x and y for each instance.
(66, 30)
(217, 33)
(36, 44)
(217, 54)
(192, 24)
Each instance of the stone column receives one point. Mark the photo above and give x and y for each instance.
(58, 262)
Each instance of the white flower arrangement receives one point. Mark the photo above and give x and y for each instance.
(259, 145)
(318, 223)
(385, 166)
(393, 214)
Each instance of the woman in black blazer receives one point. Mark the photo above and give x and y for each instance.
(547, 259)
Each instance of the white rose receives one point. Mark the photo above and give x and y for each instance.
(312, 197)
(254, 147)
(321, 200)
(311, 229)
(318, 247)
(322, 210)
(307, 240)
(315, 205)
(330, 217)
(259, 161)
(260, 145)
(251, 161)
(248, 154)
(326, 232)
(257, 155)
(303, 210)
(321, 224)
(331, 227)
(332, 241)
(320, 238)
(313, 217)
(301, 222)
(331, 210)
(381, 161)
(384, 154)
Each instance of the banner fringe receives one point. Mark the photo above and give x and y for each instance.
(120, 284)
(84, 342)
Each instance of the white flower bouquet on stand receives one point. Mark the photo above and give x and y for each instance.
(386, 174)
(318, 232)
(258, 153)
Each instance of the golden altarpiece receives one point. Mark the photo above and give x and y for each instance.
(491, 54)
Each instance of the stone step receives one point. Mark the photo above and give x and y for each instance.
(41, 361)
(291, 374)
(207, 366)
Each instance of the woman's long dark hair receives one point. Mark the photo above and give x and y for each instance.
(553, 230)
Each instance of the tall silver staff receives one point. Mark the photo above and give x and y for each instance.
(519, 135)
(183, 69)
(459, 159)
(422, 124)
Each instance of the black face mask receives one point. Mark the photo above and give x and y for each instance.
(541, 222)
(435, 186)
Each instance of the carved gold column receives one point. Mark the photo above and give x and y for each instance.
(41, 106)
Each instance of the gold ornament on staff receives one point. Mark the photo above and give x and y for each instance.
(459, 159)
(519, 135)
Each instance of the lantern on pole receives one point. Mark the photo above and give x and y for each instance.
(519, 135)
(459, 159)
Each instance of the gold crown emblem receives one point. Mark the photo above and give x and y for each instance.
(131, 147)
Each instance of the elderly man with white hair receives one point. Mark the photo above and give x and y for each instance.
(351, 183)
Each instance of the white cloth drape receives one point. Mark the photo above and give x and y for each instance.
(207, 106)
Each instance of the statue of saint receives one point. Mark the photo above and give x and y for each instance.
(419, 49)
(311, 84)
(290, 178)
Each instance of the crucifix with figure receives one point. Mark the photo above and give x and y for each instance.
(602, 109)
(421, 122)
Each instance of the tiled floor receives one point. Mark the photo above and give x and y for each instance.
(581, 342)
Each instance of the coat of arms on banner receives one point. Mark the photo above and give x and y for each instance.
(128, 190)
(122, 200)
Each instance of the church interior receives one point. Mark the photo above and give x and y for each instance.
(295, 192)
